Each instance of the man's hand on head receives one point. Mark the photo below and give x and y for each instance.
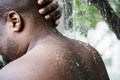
(52, 10)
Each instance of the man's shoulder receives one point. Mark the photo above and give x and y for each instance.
(85, 47)
(69, 47)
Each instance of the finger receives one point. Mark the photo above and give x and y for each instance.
(56, 14)
(57, 22)
(51, 7)
(42, 2)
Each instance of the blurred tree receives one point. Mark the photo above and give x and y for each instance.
(108, 14)
(115, 5)
(79, 15)
(85, 14)
(1, 64)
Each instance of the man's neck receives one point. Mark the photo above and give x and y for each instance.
(40, 34)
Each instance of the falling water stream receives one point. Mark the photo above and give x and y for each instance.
(99, 37)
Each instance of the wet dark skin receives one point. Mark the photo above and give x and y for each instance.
(39, 52)
(51, 11)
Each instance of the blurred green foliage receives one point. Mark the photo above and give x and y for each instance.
(85, 16)
(85, 13)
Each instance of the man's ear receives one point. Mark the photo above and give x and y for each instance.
(14, 21)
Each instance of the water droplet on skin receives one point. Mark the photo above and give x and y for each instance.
(80, 42)
(83, 62)
(60, 62)
(57, 58)
(65, 60)
(75, 68)
(71, 67)
(86, 67)
(77, 64)
(56, 67)
(55, 64)
(61, 55)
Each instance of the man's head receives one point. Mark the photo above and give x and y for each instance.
(18, 18)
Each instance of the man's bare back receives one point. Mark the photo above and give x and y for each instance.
(57, 58)
(37, 51)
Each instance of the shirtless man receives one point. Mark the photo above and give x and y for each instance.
(38, 51)
(51, 11)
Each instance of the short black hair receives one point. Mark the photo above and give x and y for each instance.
(20, 6)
